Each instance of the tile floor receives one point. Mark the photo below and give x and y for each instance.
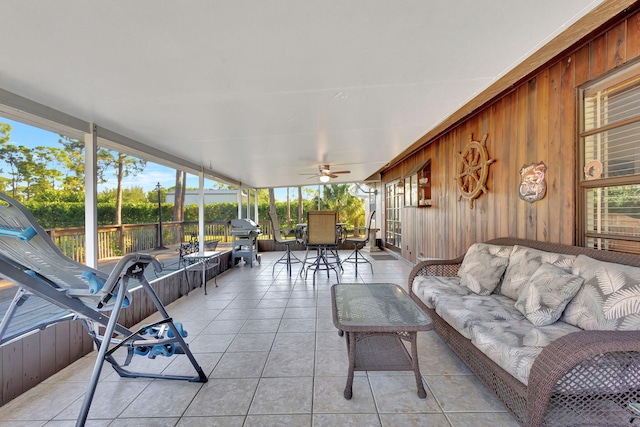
(274, 358)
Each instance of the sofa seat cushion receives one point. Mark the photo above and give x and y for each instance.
(547, 293)
(608, 300)
(483, 266)
(429, 288)
(462, 312)
(523, 262)
(514, 344)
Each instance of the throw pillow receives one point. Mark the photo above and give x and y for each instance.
(483, 267)
(523, 262)
(609, 299)
(547, 293)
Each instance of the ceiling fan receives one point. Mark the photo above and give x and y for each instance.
(325, 173)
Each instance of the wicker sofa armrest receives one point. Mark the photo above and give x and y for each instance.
(583, 348)
(435, 267)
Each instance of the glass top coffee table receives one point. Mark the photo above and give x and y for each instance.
(376, 318)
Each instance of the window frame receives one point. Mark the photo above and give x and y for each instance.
(609, 80)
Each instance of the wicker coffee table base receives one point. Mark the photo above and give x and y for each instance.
(382, 351)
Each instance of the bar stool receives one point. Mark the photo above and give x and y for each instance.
(289, 257)
(322, 236)
(356, 257)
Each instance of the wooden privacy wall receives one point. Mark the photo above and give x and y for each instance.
(536, 121)
(29, 360)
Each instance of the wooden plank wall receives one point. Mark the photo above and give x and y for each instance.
(28, 361)
(536, 121)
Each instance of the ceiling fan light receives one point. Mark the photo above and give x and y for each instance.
(324, 178)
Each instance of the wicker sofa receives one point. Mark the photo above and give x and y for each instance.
(582, 376)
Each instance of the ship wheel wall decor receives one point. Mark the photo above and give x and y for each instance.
(473, 169)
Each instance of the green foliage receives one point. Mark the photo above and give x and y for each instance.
(133, 194)
(58, 196)
(152, 195)
(281, 212)
(73, 163)
(625, 199)
(212, 212)
(350, 208)
(57, 215)
(5, 133)
(133, 213)
(58, 209)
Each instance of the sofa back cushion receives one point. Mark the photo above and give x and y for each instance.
(609, 299)
(523, 262)
(483, 267)
(547, 293)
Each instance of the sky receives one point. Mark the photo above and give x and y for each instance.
(30, 137)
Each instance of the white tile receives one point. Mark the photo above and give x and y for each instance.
(283, 396)
(162, 399)
(328, 396)
(273, 357)
(395, 393)
(462, 393)
(241, 365)
(223, 397)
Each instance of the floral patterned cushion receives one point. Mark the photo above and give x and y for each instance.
(483, 266)
(523, 262)
(462, 312)
(609, 299)
(429, 288)
(514, 344)
(547, 293)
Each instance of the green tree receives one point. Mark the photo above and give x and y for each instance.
(5, 136)
(350, 208)
(17, 160)
(73, 164)
(123, 166)
(5, 133)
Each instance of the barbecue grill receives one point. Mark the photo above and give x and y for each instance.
(245, 240)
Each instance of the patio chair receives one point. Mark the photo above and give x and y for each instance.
(322, 237)
(289, 257)
(30, 260)
(356, 257)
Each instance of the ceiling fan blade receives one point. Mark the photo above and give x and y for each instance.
(341, 172)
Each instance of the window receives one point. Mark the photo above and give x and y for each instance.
(417, 185)
(394, 202)
(609, 183)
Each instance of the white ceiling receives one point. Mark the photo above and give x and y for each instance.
(263, 91)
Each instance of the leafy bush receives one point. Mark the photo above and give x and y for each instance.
(71, 214)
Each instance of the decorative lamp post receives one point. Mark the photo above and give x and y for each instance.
(160, 245)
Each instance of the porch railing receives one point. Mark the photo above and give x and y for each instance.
(119, 240)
